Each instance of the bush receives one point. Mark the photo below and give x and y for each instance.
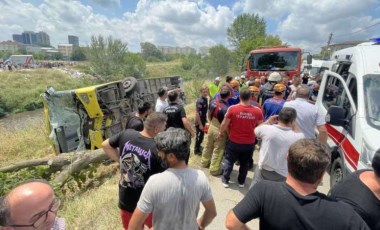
(192, 89)
(153, 59)
(198, 71)
(188, 62)
(12, 179)
(2, 113)
(33, 105)
(30, 106)
(3, 108)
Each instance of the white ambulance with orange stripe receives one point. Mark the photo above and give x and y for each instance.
(350, 99)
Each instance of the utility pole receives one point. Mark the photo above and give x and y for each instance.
(328, 45)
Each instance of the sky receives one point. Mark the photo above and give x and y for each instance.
(195, 23)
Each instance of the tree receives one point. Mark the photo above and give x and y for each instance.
(57, 56)
(248, 45)
(21, 51)
(39, 56)
(246, 33)
(271, 40)
(5, 54)
(150, 50)
(219, 60)
(135, 65)
(246, 27)
(78, 54)
(110, 59)
(189, 61)
(107, 57)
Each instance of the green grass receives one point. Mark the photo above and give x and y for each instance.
(161, 69)
(94, 209)
(23, 138)
(20, 89)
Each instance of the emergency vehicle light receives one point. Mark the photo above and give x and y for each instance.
(376, 40)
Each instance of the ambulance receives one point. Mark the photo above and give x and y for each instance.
(349, 97)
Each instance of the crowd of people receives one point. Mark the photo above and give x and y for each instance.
(158, 189)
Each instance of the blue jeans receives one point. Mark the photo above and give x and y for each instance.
(241, 152)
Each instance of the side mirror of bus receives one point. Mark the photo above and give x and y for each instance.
(309, 59)
(335, 116)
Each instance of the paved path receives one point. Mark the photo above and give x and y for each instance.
(227, 198)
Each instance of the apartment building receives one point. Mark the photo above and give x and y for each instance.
(66, 49)
(31, 38)
(176, 50)
(10, 46)
(74, 40)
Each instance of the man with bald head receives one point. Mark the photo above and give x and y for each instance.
(308, 116)
(30, 205)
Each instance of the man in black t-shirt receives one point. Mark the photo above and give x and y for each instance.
(135, 120)
(137, 154)
(296, 203)
(177, 114)
(201, 107)
(361, 190)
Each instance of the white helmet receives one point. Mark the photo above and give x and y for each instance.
(274, 76)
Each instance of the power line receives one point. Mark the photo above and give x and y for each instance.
(365, 28)
(355, 32)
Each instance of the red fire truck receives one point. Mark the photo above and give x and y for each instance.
(278, 58)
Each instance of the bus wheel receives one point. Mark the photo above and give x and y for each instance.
(337, 172)
(129, 84)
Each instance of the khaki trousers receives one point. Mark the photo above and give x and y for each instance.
(212, 155)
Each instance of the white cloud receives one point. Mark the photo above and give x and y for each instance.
(12, 17)
(192, 23)
(181, 23)
(309, 23)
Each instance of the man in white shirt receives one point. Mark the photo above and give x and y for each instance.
(308, 116)
(278, 133)
(162, 101)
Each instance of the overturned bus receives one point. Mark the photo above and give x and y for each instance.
(83, 118)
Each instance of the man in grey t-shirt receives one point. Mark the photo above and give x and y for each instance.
(174, 195)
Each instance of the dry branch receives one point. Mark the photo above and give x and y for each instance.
(65, 164)
(82, 161)
(24, 164)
